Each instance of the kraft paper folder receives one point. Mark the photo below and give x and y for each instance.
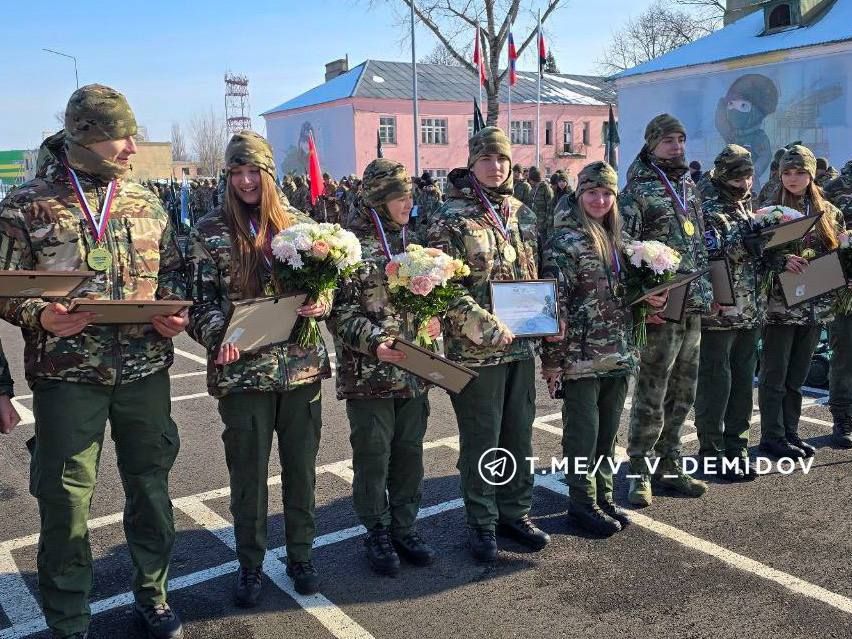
(822, 275)
(255, 323)
(432, 367)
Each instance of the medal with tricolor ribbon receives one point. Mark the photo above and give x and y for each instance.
(686, 223)
(99, 258)
(383, 238)
(508, 251)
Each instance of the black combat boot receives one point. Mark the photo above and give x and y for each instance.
(619, 514)
(841, 433)
(591, 518)
(160, 621)
(304, 575)
(793, 438)
(524, 532)
(248, 587)
(414, 549)
(380, 553)
(483, 544)
(780, 447)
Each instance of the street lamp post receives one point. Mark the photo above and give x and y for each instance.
(65, 55)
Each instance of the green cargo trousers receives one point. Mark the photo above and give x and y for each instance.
(387, 460)
(496, 409)
(665, 390)
(840, 377)
(70, 421)
(251, 419)
(723, 402)
(784, 362)
(591, 413)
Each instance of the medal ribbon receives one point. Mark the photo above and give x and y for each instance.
(383, 238)
(489, 209)
(679, 202)
(267, 246)
(98, 228)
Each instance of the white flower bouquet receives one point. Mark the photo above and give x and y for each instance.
(651, 263)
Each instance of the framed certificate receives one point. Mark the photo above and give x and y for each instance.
(723, 281)
(127, 311)
(789, 231)
(822, 275)
(255, 323)
(432, 367)
(42, 283)
(528, 307)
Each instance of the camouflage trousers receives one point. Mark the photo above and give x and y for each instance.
(497, 409)
(784, 362)
(665, 390)
(724, 400)
(70, 421)
(387, 460)
(251, 420)
(591, 413)
(840, 377)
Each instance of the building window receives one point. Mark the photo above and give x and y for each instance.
(780, 17)
(440, 177)
(522, 132)
(567, 137)
(587, 134)
(433, 131)
(469, 129)
(387, 129)
(548, 133)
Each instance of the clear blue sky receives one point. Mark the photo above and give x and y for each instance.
(169, 57)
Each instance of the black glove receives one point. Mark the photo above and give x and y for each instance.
(754, 244)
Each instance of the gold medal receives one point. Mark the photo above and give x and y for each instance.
(689, 228)
(100, 259)
(509, 253)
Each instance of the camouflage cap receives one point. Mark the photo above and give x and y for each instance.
(661, 126)
(799, 157)
(488, 141)
(822, 164)
(247, 147)
(96, 113)
(733, 163)
(597, 175)
(385, 180)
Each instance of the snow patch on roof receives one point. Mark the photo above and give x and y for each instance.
(337, 88)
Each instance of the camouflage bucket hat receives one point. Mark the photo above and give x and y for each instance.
(597, 175)
(799, 157)
(96, 113)
(661, 126)
(247, 147)
(488, 141)
(733, 163)
(384, 180)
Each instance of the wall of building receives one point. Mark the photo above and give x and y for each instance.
(153, 160)
(721, 104)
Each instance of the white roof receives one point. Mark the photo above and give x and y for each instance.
(742, 39)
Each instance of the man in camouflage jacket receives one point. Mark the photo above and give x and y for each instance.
(495, 235)
(539, 199)
(81, 373)
(729, 336)
(428, 202)
(387, 406)
(659, 203)
(839, 192)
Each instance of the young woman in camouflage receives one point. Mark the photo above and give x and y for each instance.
(495, 234)
(659, 202)
(791, 334)
(729, 334)
(594, 359)
(275, 390)
(387, 406)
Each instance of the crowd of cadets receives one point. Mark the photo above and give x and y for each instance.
(81, 212)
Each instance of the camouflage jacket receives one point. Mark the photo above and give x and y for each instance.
(463, 230)
(364, 317)
(650, 214)
(6, 383)
(521, 191)
(816, 311)
(839, 192)
(598, 340)
(727, 222)
(302, 199)
(428, 202)
(830, 174)
(43, 228)
(540, 201)
(768, 192)
(276, 368)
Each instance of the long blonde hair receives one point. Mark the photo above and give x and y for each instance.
(246, 248)
(825, 227)
(605, 235)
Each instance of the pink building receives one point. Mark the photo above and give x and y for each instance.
(346, 112)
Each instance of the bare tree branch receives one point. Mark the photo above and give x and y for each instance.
(209, 136)
(179, 153)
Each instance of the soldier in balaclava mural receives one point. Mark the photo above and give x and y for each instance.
(740, 115)
(296, 155)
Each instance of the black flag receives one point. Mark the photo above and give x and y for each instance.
(379, 152)
(478, 122)
(611, 140)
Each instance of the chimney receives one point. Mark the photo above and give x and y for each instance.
(336, 68)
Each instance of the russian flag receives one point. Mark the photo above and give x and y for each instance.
(513, 56)
(542, 50)
(478, 60)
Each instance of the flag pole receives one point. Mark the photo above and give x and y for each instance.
(415, 110)
(480, 65)
(509, 129)
(538, 106)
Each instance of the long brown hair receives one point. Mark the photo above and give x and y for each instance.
(246, 248)
(605, 235)
(825, 227)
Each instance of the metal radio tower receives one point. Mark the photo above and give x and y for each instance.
(237, 109)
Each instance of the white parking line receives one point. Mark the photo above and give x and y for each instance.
(191, 356)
